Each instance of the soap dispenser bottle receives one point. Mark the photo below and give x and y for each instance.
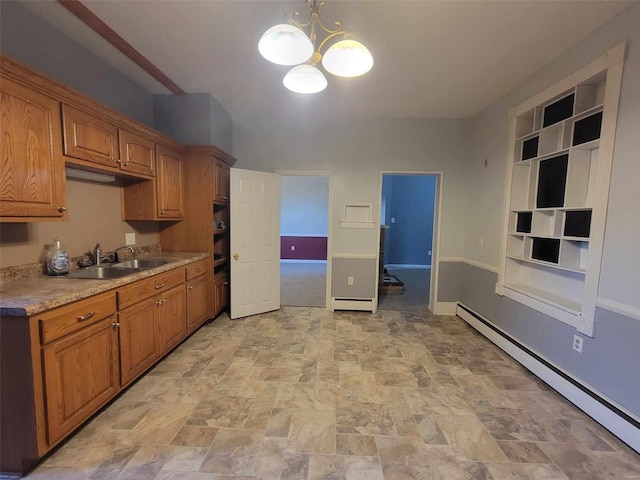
(57, 259)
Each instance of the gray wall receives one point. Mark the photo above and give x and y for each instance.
(194, 119)
(610, 360)
(410, 202)
(304, 206)
(30, 40)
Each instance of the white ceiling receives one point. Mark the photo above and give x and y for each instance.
(432, 58)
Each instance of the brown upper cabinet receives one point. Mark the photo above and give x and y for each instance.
(89, 138)
(160, 198)
(169, 183)
(221, 180)
(32, 166)
(137, 154)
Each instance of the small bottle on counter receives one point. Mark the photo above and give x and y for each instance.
(57, 259)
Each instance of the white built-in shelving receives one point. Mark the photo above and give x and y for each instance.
(559, 163)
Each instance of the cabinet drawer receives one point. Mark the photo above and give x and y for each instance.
(145, 288)
(64, 320)
(198, 268)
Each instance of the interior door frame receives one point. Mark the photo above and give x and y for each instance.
(435, 241)
(329, 175)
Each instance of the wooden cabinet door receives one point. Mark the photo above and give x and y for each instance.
(169, 183)
(171, 319)
(88, 138)
(31, 166)
(197, 301)
(138, 344)
(80, 374)
(137, 154)
(218, 180)
(226, 180)
(221, 295)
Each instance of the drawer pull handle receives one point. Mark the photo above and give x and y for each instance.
(199, 269)
(82, 318)
(159, 286)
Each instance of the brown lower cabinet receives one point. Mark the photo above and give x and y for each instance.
(221, 295)
(57, 368)
(80, 374)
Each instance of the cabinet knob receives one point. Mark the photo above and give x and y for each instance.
(126, 164)
(115, 325)
(118, 160)
(190, 287)
(199, 269)
(236, 256)
(159, 286)
(162, 212)
(226, 284)
(62, 209)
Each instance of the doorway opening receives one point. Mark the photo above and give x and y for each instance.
(408, 227)
(304, 238)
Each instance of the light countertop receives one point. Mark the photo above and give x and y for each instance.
(29, 296)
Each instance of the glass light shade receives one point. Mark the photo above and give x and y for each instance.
(305, 79)
(347, 58)
(285, 45)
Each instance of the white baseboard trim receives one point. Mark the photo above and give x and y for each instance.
(621, 423)
(445, 308)
(468, 261)
(365, 305)
(295, 260)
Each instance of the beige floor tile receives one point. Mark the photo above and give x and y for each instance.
(185, 459)
(469, 439)
(312, 431)
(326, 467)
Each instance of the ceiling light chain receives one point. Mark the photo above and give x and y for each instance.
(288, 44)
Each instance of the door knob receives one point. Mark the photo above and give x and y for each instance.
(236, 256)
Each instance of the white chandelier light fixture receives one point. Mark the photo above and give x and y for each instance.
(288, 44)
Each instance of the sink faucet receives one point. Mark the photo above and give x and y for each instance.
(99, 256)
(113, 256)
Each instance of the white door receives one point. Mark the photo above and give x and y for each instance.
(255, 242)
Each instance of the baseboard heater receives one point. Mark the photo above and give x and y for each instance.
(623, 424)
(360, 304)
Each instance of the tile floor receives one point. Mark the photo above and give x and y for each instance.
(305, 394)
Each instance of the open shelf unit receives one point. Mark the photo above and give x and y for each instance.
(559, 166)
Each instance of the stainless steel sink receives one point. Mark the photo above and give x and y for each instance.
(103, 273)
(141, 263)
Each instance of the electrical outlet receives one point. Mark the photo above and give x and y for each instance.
(349, 280)
(481, 241)
(293, 248)
(577, 343)
(393, 220)
(429, 253)
(129, 238)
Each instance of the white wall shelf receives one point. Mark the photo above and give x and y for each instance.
(558, 172)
